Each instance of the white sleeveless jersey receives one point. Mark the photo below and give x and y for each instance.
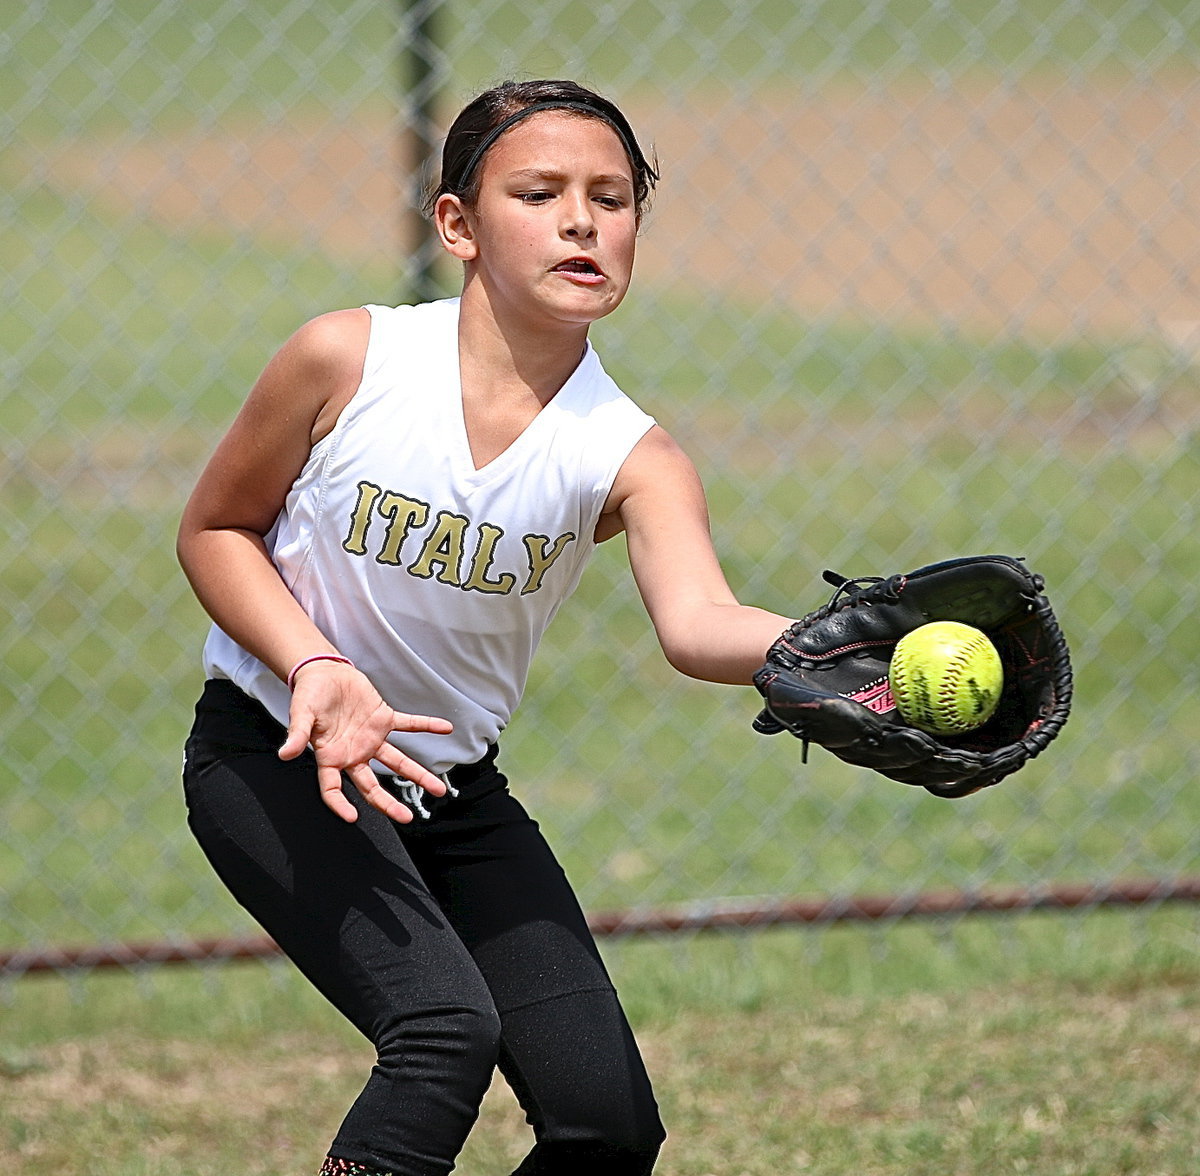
(437, 579)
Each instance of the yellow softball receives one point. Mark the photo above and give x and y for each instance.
(946, 677)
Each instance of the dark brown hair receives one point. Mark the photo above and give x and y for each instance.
(485, 118)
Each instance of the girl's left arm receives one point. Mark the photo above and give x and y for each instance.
(658, 500)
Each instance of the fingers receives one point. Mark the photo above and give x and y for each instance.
(294, 744)
(404, 766)
(395, 760)
(427, 723)
(379, 797)
(347, 735)
(331, 774)
(329, 780)
(300, 728)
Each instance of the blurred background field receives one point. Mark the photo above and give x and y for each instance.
(989, 1048)
(919, 281)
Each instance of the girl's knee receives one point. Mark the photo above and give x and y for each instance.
(462, 1037)
(475, 1031)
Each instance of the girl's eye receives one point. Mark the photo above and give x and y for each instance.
(534, 197)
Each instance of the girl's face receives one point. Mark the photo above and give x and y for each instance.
(553, 230)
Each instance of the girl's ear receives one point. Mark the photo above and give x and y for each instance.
(452, 220)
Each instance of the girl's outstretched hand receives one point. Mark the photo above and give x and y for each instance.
(337, 712)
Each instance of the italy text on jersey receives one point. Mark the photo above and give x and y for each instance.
(451, 548)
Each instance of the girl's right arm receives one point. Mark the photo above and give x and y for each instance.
(223, 551)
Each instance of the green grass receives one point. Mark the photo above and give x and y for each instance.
(909, 1049)
(79, 65)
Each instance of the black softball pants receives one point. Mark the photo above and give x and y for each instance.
(454, 944)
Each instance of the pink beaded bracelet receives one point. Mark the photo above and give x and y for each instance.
(335, 657)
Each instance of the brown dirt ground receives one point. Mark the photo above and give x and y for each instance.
(990, 206)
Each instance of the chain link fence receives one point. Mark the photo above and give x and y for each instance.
(921, 280)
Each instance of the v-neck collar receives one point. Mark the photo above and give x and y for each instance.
(527, 439)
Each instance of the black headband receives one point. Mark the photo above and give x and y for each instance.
(636, 158)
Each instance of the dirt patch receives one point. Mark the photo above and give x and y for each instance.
(996, 206)
(1010, 208)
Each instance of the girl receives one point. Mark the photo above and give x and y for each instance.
(401, 505)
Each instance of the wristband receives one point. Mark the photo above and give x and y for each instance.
(335, 657)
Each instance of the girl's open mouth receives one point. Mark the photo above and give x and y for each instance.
(580, 268)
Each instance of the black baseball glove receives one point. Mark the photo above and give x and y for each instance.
(826, 679)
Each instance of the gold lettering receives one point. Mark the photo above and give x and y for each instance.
(444, 546)
(404, 514)
(443, 553)
(481, 563)
(360, 518)
(542, 558)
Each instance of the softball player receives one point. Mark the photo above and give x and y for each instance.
(392, 520)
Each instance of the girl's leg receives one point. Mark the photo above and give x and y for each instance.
(566, 1047)
(346, 904)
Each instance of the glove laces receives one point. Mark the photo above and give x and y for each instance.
(858, 588)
